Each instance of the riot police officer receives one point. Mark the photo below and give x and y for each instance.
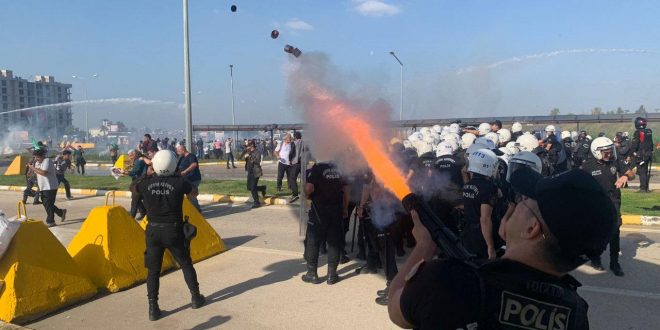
(555, 148)
(642, 150)
(163, 195)
(530, 286)
(612, 174)
(329, 194)
(568, 146)
(581, 152)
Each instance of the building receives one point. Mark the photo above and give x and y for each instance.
(18, 93)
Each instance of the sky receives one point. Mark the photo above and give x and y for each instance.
(449, 50)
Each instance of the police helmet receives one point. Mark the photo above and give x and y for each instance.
(505, 135)
(550, 128)
(513, 147)
(565, 134)
(527, 142)
(482, 161)
(454, 128)
(467, 140)
(164, 163)
(640, 123)
(524, 158)
(484, 128)
(444, 148)
(600, 144)
(493, 137)
(516, 127)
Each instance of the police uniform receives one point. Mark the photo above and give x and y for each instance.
(642, 148)
(582, 152)
(606, 174)
(163, 198)
(325, 217)
(502, 294)
(568, 146)
(556, 155)
(449, 169)
(478, 191)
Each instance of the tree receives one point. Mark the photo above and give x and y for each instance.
(554, 112)
(597, 111)
(619, 111)
(641, 110)
(611, 112)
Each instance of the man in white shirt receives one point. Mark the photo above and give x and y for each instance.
(282, 152)
(48, 184)
(229, 150)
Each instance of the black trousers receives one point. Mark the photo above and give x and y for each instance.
(644, 177)
(473, 240)
(67, 186)
(254, 188)
(80, 167)
(136, 202)
(169, 237)
(380, 245)
(324, 225)
(31, 182)
(48, 200)
(281, 170)
(292, 177)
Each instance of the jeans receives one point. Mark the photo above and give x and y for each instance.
(281, 170)
(292, 178)
(67, 186)
(168, 237)
(48, 200)
(230, 157)
(254, 188)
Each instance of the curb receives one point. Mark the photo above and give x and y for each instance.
(640, 220)
(9, 326)
(201, 197)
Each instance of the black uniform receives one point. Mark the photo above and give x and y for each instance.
(325, 215)
(478, 191)
(642, 149)
(606, 174)
(449, 189)
(582, 152)
(556, 155)
(516, 135)
(163, 198)
(546, 169)
(568, 146)
(503, 294)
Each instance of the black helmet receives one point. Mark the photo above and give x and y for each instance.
(640, 122)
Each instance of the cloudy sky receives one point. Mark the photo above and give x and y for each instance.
(461, 58)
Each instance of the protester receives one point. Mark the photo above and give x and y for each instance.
(79, 156)
(188, 168)
(47, 181)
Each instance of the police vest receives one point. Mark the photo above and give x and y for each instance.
(521, 300)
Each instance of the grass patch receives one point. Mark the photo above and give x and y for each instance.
(221, 187)
(640, 203)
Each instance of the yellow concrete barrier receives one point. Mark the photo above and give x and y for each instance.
(17, 166)
(207, 243)
(39, 275)
(109, 248)
(121, 162)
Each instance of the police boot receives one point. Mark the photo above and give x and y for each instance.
(382, 300)
(197, 300)
(597, 264)
(311, 276)
(332, 274)
(384, 292)
(154, 311)
(615, 267)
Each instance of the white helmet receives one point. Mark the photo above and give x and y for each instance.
(444, 148)
(474, 148)
(424, 147)
(467, 139)
(453, 144)
(428, 138)
(600, 144)
(486, 142)
(506, 154)
(527, 142)
(437, 128)
(425, 131)
(482, 161)
(524, 158)
(452, 137)
(565, 134)
(493, 137)
(416, 136)
(505, 135)
(484, 128)
(574, 135)
(550, 128)
(513, 147)
(454, 128)
(407, 144)
(589, 137)
(164, 163)
(516, 127)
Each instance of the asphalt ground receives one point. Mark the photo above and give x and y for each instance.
(256, 284)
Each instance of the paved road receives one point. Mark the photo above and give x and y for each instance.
(256, 284)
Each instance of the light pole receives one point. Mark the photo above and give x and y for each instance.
(233, 117)
(186, 73)
(85, 99)
(401, 65)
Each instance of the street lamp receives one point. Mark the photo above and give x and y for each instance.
(233, 118)
(400, 64)
(85, 99)
(186, 79)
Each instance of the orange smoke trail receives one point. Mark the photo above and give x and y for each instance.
(366, 141)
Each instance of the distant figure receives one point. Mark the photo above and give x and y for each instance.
(79, 157)
(188, 168)
(229, 149)
(47, 181)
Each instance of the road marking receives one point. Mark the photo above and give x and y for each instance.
(621, 292)
(266, 251)
(640, 230)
